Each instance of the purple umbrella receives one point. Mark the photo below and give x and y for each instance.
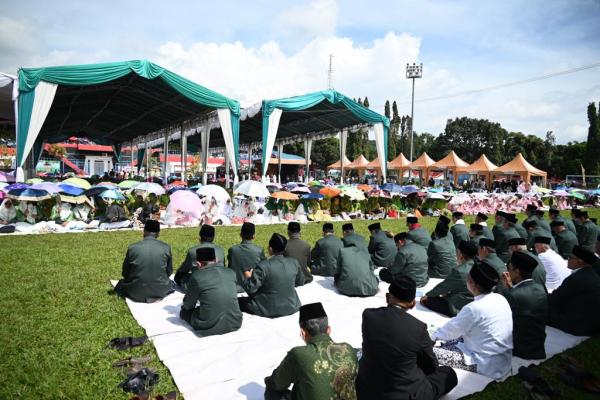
(5, 177)
(17, 185)
(49, 187)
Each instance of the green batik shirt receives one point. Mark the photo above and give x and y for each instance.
(320, 370)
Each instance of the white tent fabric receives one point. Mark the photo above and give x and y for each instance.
(205, 143)
(378, 132)
(271, 135)
(225, 121)
(44, 96)
(233, 366)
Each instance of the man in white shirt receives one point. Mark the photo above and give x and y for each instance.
(479, 338)
(555, 265)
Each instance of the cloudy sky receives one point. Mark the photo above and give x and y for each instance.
(259, 49)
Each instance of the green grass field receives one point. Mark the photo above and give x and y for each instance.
(58, 312)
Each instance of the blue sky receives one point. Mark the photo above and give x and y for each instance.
(261, 49)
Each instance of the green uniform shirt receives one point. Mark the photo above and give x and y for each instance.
(454, 287)
(320, 370)
(501, 242)
(496, 262)
(565, 241)
(568, 223)
(355, 276)
(475, 239)
(420, 236)
(459, 232)
(272, 287)
(411, 260)
(441, 257)
(502, 248)
(214, 287)
(521, 231)
(487, 232)
(539, 272)
(146, 270)
(300, 250)
(587, 236)
(544, 224)
(529, 304)
(382, 249)
(355, 239)
(189, 264)
(543, 233)
(244, 257)
(325, 255)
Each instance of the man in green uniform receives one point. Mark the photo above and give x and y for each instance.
(529, 304)
(246, 255)
(541, 221)
(324, 255)
(298, 249)
(575, 305)
(452, 294)
(382, 248)
(147, 267)
(207, 236)
(441, 254)
(564, 238)
(510, 232)
(481, 219)
(575, 219)
(354, 275)
(499, 235)
(539, 273)
(322, 369)
(476, 233)
(271, 285)
(349, 236)
(533, 231)
(487, 253)
(459, 230)
(587, 232)
(521, 230)
(417, 233)
(530, 211)
(555, 216)
(214, 287)
(411, 261)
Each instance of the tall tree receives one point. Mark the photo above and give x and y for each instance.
(325, 152)
(366, 102)
(386, 109)
(591, 160)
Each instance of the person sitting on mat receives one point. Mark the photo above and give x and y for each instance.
(452, 294)
(321, 369)
(246, 255)
(147, 267)
(411, 260)
(417, 233)
(324, 255)
(381, 247)
(271, 285)
(480, 338)
(214, 287)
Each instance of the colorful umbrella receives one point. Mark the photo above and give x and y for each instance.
(82, 183)
(112, 194)
(28, 194)
(6, 177)
(364, 188)
(378, 193)
(128, 184)
(284, 196)
(49, 187)
(18, 185)
(149, 187)
(315, 183)
(75, 199)
(185, 201)
(178, 183)
(70, 189)
(106, 184)
(215, 191)
(330, 191)
(392, 188)
(300, 189)
(96, 190)
(31, 181)
(312, 196)
(252, 188)
(353, 194)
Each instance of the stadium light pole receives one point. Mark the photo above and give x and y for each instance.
(413, 72)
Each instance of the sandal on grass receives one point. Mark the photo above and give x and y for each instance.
(539, 386)
(124, 343)
(131, 361)
(142, 381)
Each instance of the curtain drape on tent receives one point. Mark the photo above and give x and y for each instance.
(204, 144)
(230, 148)
(272, 125)
(343, 141)
(380, 143)
(33, 109)
(140, 158)
(117, 147)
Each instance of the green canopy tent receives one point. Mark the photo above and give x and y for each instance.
(311, 116)
(113, 103)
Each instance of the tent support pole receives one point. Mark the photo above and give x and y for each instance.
(279, 151)
(166, 160)
(227, 182)
(250, 161)
(148, 152)
(183, 156)
(307, 150)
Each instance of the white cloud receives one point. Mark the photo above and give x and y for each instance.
(301, 23)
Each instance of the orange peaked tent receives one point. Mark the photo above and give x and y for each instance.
(451, 162)
(423, 164)
(483, 166)
(359, 164)
(520, 166)
(400, 164)
(338, 164)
